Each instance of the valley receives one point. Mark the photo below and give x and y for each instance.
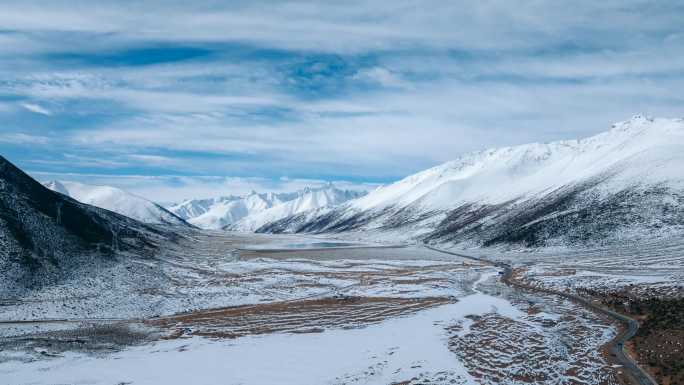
(557, 263)
(250, 306)
(406, 192)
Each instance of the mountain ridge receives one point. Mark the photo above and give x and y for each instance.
(307, 199)
(234, 212)
(491, 197)
(220, 212)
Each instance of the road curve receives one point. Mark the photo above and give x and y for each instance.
(616, 346)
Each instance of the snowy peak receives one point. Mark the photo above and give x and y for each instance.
(192, 208)
(226, 212)
(308, 199)
(116, 200)
(636, 122)
(57, 187)
(324, 196)
(218, 213)
(532, 168)
(639, 132)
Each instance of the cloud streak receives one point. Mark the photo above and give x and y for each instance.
(36, 108)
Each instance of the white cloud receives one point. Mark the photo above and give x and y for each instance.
(376, 133)
(76, 161)
(146, 90)
(36, 108)
(351, 25)
(154, 160)
(382, 76)
(21, 138)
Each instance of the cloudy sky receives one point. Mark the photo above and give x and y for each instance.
(197, 98)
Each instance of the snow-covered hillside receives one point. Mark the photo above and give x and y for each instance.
(117, 200)
(640, 147)
(625, 182)
(306, 200)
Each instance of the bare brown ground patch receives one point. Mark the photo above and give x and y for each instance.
(301, 316)
(662, 353)
(616, 374)
(658, 346)
(497, 349)
(361, 275)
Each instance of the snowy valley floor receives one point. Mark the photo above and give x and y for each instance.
(227, 308)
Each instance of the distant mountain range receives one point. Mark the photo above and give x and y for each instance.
(117, 200)
(622, 185)
(217, 213)
(246, 213)
(237, 213)
(306, 200)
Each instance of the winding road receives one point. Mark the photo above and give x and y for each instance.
(637, 375)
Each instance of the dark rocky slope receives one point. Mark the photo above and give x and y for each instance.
(45, 235)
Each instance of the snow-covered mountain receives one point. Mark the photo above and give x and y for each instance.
(192, 208)
(622, 184)
(46, 236)
(217, 213)
(306, 200)
(249, 212)
(117, 200)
